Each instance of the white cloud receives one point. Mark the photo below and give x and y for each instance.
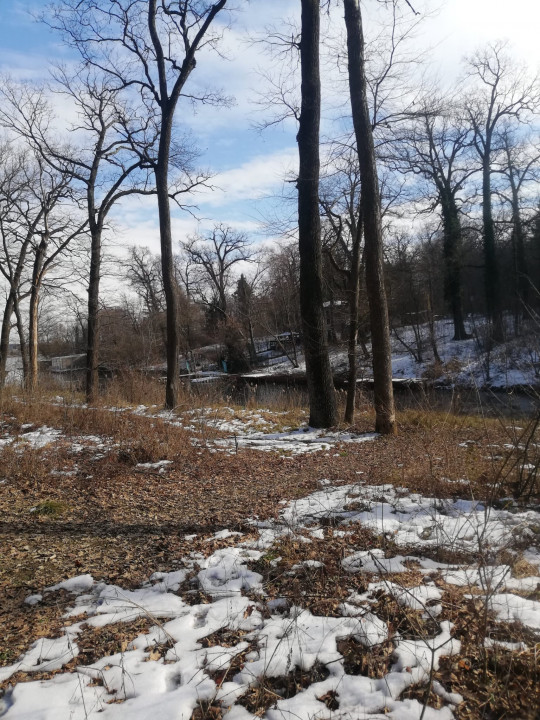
(254, 179)
(135, 220)
(464, 25)
(255, 176)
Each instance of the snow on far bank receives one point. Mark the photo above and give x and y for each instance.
(465, 362)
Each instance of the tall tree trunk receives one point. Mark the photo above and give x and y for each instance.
(385, 422)
(431, 324)
(92, 342)
(22, 339)
(252, 348)
(4, 337)
(491, 270)
(521, 277)
(11, 304)
(331, 323)
(535, 280)
(354, 301)
(32, 379)
(322, 396)
(452, 263)
(167, 262)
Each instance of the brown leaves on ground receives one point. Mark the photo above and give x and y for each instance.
(120, 523)
(496, 683)
(268, 691)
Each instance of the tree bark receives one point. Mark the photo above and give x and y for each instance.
(11, 303)
(4, 337)
(32, 379)
(167, 261)
(322, 397)
(92, 338)
(96, 219)
(452, 263)
(385, 422)
(521, 277)
(491, 271)
(354, 300)
(167, 103)
(22, 339)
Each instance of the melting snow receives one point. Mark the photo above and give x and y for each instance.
(276, 638)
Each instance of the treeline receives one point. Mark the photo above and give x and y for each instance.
(426, 205)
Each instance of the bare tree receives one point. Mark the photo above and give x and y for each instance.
(434, 147)
(519, 166)
(244, 298)
(144, 276)
(211, 259)
(20, 215)
(280, 292)
(56, 231)
(150, 46)
(503, 92)
(371, 217)
(340, 203)
(107, 162)
(322, 397)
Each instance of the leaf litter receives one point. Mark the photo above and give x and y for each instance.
(275, 621)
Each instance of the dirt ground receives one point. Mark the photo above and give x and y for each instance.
(105, 516)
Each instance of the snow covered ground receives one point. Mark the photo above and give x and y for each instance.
(249, 429)
(187, 659)
(33, 437)
(170, 670)
(241, 428)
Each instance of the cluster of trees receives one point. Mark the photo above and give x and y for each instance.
(412, 212)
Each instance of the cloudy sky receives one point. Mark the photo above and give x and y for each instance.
(249, 166)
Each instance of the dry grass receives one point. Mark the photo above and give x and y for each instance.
(118, 523)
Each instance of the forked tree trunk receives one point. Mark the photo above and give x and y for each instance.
(10, 306)
(385, 422)
(168, 102)
(322, 397)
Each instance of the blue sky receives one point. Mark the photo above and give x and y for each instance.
(249, 166)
